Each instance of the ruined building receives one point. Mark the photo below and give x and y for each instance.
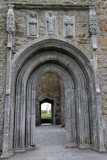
(54, 51)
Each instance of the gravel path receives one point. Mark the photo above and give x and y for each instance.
(50, 142)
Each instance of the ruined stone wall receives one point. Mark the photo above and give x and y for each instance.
(51, 87)
(81, 38)
(102, 51)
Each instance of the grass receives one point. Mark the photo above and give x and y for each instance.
(45, 116)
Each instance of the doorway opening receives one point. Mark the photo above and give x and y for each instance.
(46, 112)
(75, 103)
(50, 96)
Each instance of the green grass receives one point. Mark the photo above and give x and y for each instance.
(45, 116)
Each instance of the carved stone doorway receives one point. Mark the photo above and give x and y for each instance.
(83, 119)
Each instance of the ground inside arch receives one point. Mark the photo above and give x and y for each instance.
(50, 145)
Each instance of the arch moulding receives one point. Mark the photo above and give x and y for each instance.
(83, 111)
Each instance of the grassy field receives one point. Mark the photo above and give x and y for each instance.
(45, 116)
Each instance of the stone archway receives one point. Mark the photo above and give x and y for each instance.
(76, 71)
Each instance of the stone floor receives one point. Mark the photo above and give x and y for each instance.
(50, 142)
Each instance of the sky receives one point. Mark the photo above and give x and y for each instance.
(45, 105)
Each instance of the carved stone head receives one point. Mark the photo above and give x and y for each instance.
(50, 14)
(33, 15)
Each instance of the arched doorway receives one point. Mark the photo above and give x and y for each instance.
(76, 72)
(46, 112)
(50, 89)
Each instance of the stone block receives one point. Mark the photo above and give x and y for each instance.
(103, 28)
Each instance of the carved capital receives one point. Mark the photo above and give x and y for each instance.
(93, 32)
(92, 22)
(10, 19)
(10, 25)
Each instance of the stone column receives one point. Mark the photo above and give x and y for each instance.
(8, 118)
(30, 114)
(22, 117)
(17, 114)
(83, 121)
(70, 118)
(78, 116)
(33, 114)
(98, 131)
(19, 135)
(7, 146)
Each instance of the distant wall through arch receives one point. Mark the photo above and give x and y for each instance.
(50, 87)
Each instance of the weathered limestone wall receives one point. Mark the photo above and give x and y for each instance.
(81, 38)
(102, 51)
(50, 87)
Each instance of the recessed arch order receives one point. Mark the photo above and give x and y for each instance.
(76, 71)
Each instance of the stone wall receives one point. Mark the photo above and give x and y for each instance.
(81, 39)
(102, 51)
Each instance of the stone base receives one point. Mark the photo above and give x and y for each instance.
(6, 155)
(20, 150)
(84, 146)
(71, 145)
(9, 154)
(81, 146)
(30, 148)
(102, 150)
